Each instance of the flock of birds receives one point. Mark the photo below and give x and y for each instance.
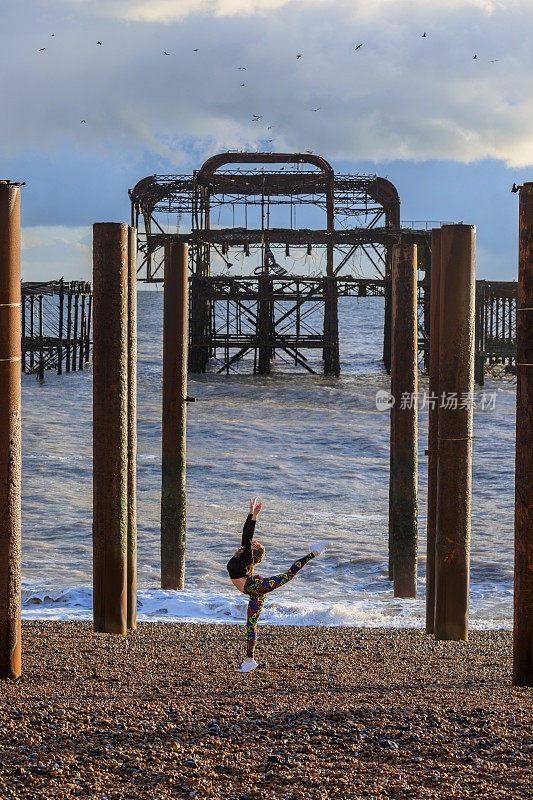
(258, 117)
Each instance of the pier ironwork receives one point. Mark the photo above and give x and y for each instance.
(263, 282)
(56, 326)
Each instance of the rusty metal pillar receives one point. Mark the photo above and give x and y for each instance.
(10, 431)
(331, 327)
(433, 427)
(265, 290)
(132, 430)
(110, 426)
(454, 471)
(479, 362)
(173, 492)
(523, 570)
(403, 503)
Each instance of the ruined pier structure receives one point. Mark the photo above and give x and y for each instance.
(247, 220)
(56, 326)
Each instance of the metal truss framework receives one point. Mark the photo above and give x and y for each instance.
(270, 311)
(362, 218)
(56, 326)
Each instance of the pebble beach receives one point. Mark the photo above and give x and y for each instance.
(330, 712)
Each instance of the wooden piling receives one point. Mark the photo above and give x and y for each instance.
(403, 504)
(173, 490)
(433, 427)
(10, 431)
(523, 569)
(132, 431)
(110, 427)
(455, 433)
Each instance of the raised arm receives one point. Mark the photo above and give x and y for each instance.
(249, 525)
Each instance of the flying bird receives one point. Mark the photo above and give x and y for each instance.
(195, 49)
(424, 35)
(241, 67)
(269, 128)
(358, 46)
(52, 34)
(165, 53)
(299, 55)
(83, 121)
(310, 152)
(41, 49)
(271, 140)
(316, 109)
(475, 56)
(100, 43)
(243, 84)
(256, 117)
(493, 60)
(515, 188)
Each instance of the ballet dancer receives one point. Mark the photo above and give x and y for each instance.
(241, 571)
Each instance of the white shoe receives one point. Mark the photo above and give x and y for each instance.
(248, 666)
(319, 547)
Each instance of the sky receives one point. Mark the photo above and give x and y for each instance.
(450, 130)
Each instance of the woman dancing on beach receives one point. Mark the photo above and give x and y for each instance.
(241, 567)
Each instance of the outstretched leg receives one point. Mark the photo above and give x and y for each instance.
(262, 586)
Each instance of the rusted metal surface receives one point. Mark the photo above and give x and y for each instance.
(132, 431)
(454, 471)
(353, 204)
(10, 431)
(110, 427)
(403, 502)
(433, 428)
(173, 490)
(523, 580)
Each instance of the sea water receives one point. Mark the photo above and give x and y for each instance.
(314, 448)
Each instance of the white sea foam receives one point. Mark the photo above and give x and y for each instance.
(159, 605)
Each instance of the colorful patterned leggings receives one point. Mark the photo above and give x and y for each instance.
(257, 589)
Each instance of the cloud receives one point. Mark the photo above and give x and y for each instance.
(55, 251)
(172, 10)
(400, 96)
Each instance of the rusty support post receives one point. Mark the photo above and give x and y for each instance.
(89, 323)
(41, 335)
(110, 427)
(82, 333)
(69, 328)
(331, 327)
(173, 491)
(523, 570)
(10, 431)
(61, 315)
(264, 323)
(75, 336)
(403, 504)
(454, 471)
(433, 428)
(479, 362)
(132, 430)
(32, 331)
